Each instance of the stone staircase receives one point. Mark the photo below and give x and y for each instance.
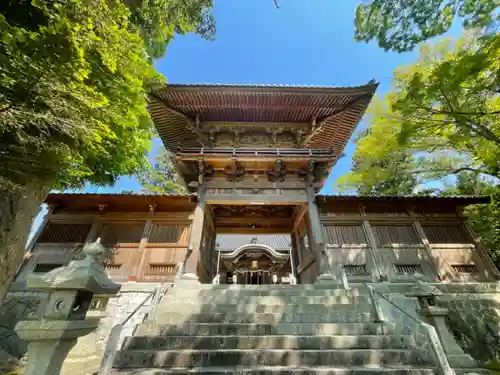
(280, 329)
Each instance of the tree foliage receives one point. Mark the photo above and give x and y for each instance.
(162, 177)
(74, 76)
(449, 99)
(413, 128)
(380, 166)
(158, 21)
(401, 25)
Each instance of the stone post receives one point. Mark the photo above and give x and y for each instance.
(190, 272)
(62, 316)
(434, 315)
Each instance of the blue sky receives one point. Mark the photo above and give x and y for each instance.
(305, 42)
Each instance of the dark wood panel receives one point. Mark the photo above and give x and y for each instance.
(65, 232)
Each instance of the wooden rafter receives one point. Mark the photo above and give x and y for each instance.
(321, 123)
(193, 124)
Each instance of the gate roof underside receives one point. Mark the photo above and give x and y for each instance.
(184, 115)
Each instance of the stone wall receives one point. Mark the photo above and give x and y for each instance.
(474, 314)
(131, 295)
(474, 319)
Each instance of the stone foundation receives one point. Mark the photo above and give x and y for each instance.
(474, 317)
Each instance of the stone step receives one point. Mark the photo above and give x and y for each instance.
(281, 370)
(269, 342)
(271, 287)
(473, 371)
(265, 300)
(241, 308)
(150, 328)
(162, 317)
(269, 357)
(296, 292)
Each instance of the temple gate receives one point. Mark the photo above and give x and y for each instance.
(255, 156)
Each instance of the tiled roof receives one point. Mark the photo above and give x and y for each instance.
(260, 86)
(230, 242)
(469, 199)
(339, 108)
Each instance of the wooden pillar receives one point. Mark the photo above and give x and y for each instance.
(377, 261)
(332, 275)
(315, 231)
(142, 252)
(190, 271)
(428, 249)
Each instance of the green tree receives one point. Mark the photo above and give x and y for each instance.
(414, 119)
(381, 166)
(449, 99)
(73, 81)
(158, 21)
(401, 25)
(162, 177)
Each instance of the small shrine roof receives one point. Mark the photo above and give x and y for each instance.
(180, 111)
(231, 242)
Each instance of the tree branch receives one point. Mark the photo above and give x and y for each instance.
(453, 170)
(276, 3)
(5, 109)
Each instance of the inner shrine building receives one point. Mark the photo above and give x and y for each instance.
(253, 159)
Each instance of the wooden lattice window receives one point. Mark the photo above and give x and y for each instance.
(112, 267)
(446, 234)
(355, 269)
(344, 234)
(166, 233)
(162, 268)
(408, 269)
(113, 233)
(387, 235)
(46, 267)
(65, 232)
(465, 268)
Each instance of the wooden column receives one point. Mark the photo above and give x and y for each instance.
(142, 252)
(428, 248)
(377, 261)
(315, 231)
(193, 253)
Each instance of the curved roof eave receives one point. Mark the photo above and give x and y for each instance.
(269, 250)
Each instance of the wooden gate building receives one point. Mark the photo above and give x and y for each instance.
(253, 159)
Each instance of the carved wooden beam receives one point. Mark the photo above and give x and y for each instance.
(273, 141)
(318, 125)
(204, 170)
(193, 124)
(299, 136)
(235, 172)
(236, 137)
(278, 173)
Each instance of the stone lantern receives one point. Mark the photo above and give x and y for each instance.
(66, 294)
(426, 296)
